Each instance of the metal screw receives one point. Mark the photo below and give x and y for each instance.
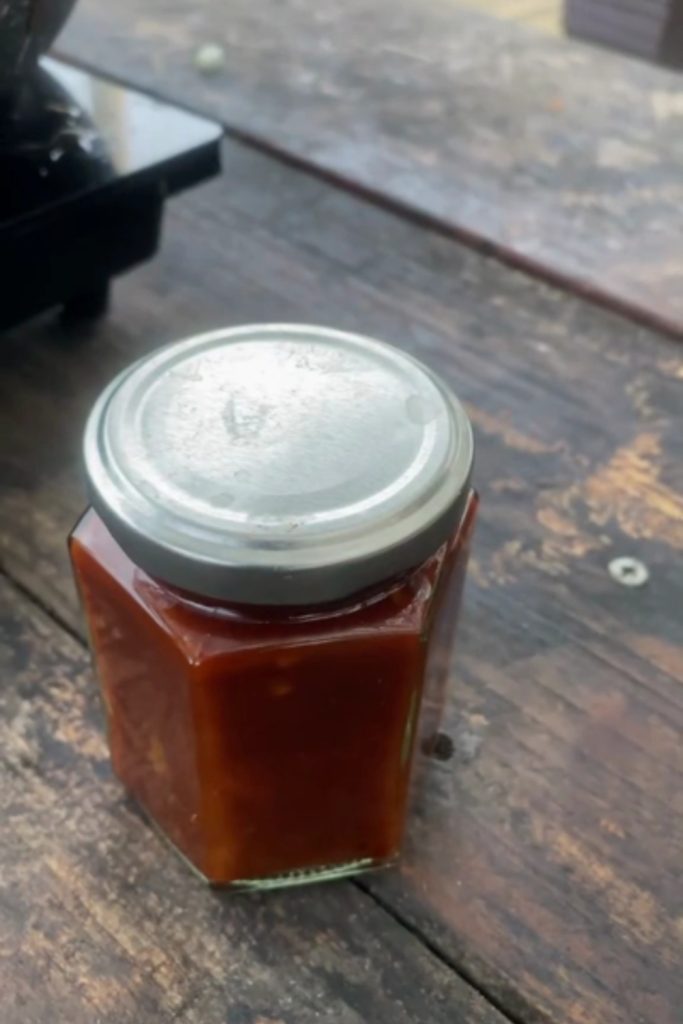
(442, 747)
(630, 572)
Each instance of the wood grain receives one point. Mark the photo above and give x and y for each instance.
(99, 922)
(562, 158)
(544, 859)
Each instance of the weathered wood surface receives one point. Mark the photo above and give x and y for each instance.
(544, 861)
(563, 158)
(98, 922)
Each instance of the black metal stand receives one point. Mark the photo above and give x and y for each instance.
(85, 169)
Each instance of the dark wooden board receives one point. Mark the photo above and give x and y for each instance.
(649, 29)
(544, 859)
(100, 923)
(562, 158)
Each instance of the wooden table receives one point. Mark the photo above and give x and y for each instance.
(542, 875)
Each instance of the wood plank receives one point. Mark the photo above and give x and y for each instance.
(100, 922)
(562, 158)
(636, 31)
(639, 26)
(544, 860)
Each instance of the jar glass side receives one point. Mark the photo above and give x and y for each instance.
(273, 746)
(441, 630)
(145, 687)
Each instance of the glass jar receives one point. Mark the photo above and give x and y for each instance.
(270, 570)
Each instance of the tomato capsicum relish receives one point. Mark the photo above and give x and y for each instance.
(271, 569)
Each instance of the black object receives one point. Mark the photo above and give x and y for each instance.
(652, 29)
(85, 167)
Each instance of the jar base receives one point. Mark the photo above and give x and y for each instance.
(304, 876)
(284, 880)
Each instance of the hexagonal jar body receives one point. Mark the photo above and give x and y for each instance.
(271, 740)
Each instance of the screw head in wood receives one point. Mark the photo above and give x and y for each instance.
(629, 572)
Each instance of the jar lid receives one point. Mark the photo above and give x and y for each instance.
(278, 464)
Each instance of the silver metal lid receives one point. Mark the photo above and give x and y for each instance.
(278, 464)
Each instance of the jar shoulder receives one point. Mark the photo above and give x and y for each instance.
(402, 609)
